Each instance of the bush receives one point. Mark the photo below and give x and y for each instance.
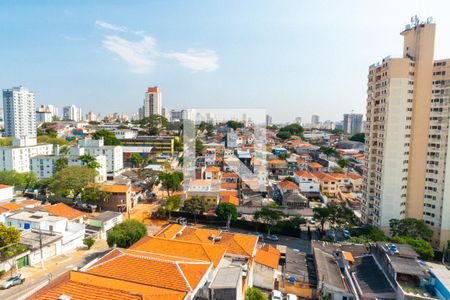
(422, 247)
(289, 226)
(126, 233)
(254, 294)
(89, 242)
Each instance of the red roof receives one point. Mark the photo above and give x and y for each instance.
(288, 185)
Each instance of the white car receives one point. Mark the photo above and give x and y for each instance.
(291, 297)
(276, 295)
(12, 281)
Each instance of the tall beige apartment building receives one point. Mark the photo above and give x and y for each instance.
(407, 173)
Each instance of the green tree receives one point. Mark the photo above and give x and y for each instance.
(90, 161)
(337, 169)
(226, 212)
(284, 135)
(414, 228)
(254, 294)
(89, 242)
(343, 163)
(199, 147)
(55, 119)
(172, 203)
(108, 137)
(322, 214)
(293, 129)
(94, 195)
(422, 247)
(60, 164)
(337, 131)
(127, 233)
(357, 137)
(235, 124)
(171, 181)
(328, 151)
(268, 216)
(196, 205)
(47, 139)
(21, 181)
(9, 244)
(178, 145)
(7, 141)
(94, 123)
(154, 124)
(71, 181)
(137, 160)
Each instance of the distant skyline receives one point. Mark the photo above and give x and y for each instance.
(292, 58)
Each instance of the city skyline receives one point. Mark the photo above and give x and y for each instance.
(114, 58)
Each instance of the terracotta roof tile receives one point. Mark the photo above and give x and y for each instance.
(268, 256)
(212, 169)
(324, 176)
(228, 193)
(228, 186)
(11, 206)
(230, 199)
(63, 210)
(288, 185)
(4, 186)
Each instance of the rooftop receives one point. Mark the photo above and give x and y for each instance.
(227, 278)
(370, 278)
(63, 210)
(268, 256)
(106, 216)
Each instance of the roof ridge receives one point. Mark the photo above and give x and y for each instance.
(164, 260)
(108, 260)
(184, 277)
(160, 254)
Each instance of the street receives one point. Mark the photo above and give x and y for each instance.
(34, 276)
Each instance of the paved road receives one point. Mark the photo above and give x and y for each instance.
(30, 283)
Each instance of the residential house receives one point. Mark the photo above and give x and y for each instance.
(277, 167)
(63, 210)
(212, 173)
(119, 197)
(266, 270)
(208, 189)
(356, 182)
(308, 183)
(316, 167)
(102, 223)
(6, 192)
(227, 284)
(344, 182)
(328, 184)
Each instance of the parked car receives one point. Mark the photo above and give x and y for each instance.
(272, 237)
(276, 295)
(312, 221)
(331, 234)
(259, 234)
(12, 281)
(182, 221)
(346, 233)
(291, 297)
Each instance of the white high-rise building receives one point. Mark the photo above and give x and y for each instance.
(72, 113)
(315, 121)
(19, 109)
(353, 123)
(152, 102)
(53, 110)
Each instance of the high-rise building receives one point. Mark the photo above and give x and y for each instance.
(269, 120)
(298, 120)
(19, 109)
(353, 123)
(315, 121)
(152, 102)
(72, 113)
(91, 116)
(407, 167)
(49, 108)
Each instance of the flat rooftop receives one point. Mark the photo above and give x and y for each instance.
(370, 278)
(227, 278)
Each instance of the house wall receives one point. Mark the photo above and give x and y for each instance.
(6, 193)
(264, 277)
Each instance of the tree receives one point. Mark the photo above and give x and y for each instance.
(343, 163)
(337, 169)
(414, 228)
(235, 124)
(137, 160)
(254, 294)
(268, 216)
(89, 242)
(126, 233)
(343, 216)
(196, 205)
(293, 129)
(9, 244)
(199, 147)
(357, 137)
(51, 140)
(94, 123)
(172, 203)
(322, 214)
(7, 141)
(21, 181)
(71, 181)
(60, 164)
(328, 151)
(284, 135)
(178, 145)
(171, 181)
(337, 131)
(154, 124)
(94, 195)
(108, 137)
(90, 161)
(422, 247)
(226, 212)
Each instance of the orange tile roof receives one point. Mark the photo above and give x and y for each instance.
(170, 231)
(235, 243)
(29, 201)
(305, 174)
(348, 256)
(277, 161)
(63, 210)
(2, 210)
(315, 165)
(230, 193)
(288, 185)
(339, 176)
(200, 182)
(228, 186)
(229, 175)
(4, 186)
(11, 206)
(268, 256)
(120, 189)
(180, 248)
(354, 176)
(212, 169)
(230, 199)
(324, 176)
(160, 271)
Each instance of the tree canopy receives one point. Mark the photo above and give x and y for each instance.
(343, 163)
(196, 205)
(226, 212)
(254, 294)
(422, 247)
(109, 138)
(51, 140)
(268, 216)
(154, 124)
(414, 228)
(21, 181)
(357, 137)
(235, 124)
(71, 181)
(293, 129)
(126, 233)
(172, 203)
(328, 150)
(171, 181)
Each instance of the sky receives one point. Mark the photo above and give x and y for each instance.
(292, 58)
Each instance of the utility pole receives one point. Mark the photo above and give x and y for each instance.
(40, 247)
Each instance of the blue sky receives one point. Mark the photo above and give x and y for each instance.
(293, 58)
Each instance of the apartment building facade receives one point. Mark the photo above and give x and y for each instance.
(152, 102)
(18, 156)
(405, 172)
(19, 108)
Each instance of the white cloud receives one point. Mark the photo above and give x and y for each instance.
(109, 26)
(142, 54)
(139, 55)
(197, 60)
